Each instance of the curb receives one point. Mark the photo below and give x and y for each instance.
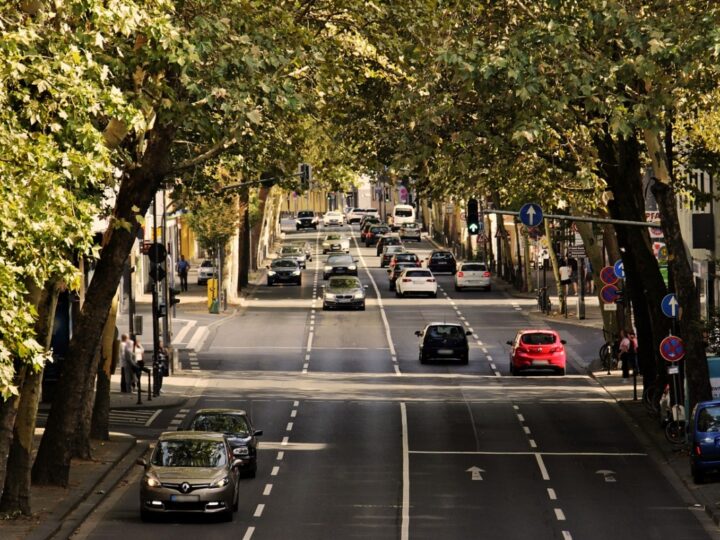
(73, 511)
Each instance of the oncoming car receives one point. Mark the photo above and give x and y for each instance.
(537, 349)
(333, 218)
(206, 271)
(444, 341)
(344, 291)
(190, 471)
(284, 271)
(306, 219)
(335, 242)
(340, 264)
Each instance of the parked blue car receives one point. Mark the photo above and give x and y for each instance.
(704, 432)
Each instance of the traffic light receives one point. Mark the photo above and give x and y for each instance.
(305, 176)
(173, 296)
(157, 255)
(472, 217)
(157, 271)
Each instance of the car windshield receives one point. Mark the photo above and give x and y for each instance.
(474, 268)
(206, 264)
(406, 257)
(402, 212)
(290, 249)
(393, 249)
(305, 213)
(538, 338)
(445, 331)
(709, 419)
(333, 237)
(344, 283)
(379, 230)
(284, 263)
(222, 423)
(190, 453)
(418, 273)
(340, 259)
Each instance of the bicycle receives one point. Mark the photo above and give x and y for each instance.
(675, 427)
(653, 397)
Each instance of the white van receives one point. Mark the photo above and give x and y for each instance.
(402, 214)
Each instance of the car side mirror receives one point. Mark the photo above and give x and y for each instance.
(141, 461)
(365, 286)
(267, 266)
(237, 463)
(418, 333)
(509, 342)
(258, 432)
(468, 333)
(563, 341)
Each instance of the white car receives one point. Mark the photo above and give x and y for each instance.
(333, 218)
(472, 274)
(335, 242)
(416, 281)
(206, 271)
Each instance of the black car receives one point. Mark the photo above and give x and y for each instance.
(284, 271)
(238, 430)
(391, 239)
(373, 233)
(340, 265)
(444, 341)
(396, 271)
(442, 261)
(306, 219)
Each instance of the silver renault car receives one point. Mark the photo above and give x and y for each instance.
(344, 291)
(190, 471)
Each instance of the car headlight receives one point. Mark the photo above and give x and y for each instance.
(296, 272)
(359, 295)
(241, 451)
(352, 267)
(328, 268)
(151, 481)
(298, 222)
(271, 272)
(222, 482)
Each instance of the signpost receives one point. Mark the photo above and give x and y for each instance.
(531, 215)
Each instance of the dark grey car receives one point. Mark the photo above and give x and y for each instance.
(344, 292)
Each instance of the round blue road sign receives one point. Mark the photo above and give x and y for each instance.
(609, 294)
(531, 215)
(619, 269)
(670, 306)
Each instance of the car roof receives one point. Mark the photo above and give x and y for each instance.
(286, 259)
(238, 412)
(537, 331)
(192, 435)
(438, 323)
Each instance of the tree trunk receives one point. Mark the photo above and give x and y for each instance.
(554, 263)
(621, 168)
(16, 495)
(100, 425)
(52, 465)
(8, 414)
(243, 239)
(689, 321)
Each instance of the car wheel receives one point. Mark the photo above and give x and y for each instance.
(561, 372)
(236, 501)
(488, 288)
(422, 358)
(465, 359)
(434, 295)
(698, 477)
(325, 308)
(227, 516)
(299, 282)
(146, 516)
(325, 276)
(513, 371)
(398, 293)
(270, 283)
(457, 287)
(324, 251)
(251, 472)
(362, 307)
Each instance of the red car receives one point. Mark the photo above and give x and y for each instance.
(537, 349)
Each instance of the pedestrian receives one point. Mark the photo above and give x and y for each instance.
(128, 364)
(628, 353)
(161, 368)
(183, 267)
(574, 273)
(589, 282)
(565, 275)
(139, 358)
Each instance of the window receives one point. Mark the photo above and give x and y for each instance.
(442, 255)
(340, 259)
(305, 213)
(222, 423)
(402, 212)
(709, 420)
(418, 273)
(344, 283)
(284, 264)
(474, 268)
(444, 332)
(190, 453)
(538, 338)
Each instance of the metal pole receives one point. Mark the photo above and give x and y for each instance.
(167, 326)
(587, 219)
(581, 288)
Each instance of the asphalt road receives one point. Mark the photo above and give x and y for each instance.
(362, 441)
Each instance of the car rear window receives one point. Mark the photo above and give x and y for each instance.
(379, 230)
(403, 212)
(445, 331)
(474, 267)
(709, 419)
(418, 273)
(538, 338)
(406, 257)
(442, 255)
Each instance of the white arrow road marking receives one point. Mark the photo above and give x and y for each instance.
(608, 475)
(475, 472)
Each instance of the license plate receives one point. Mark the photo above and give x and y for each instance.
(343, 299)
(335, 246)
(340, 270)
(445, 351)
(184, 498)
(540, 362)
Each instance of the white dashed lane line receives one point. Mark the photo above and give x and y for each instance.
(267, 490)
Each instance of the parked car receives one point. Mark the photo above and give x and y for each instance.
(537, 349)
(344, 291)
(410, 231)
(206, 271)
(472, 274)
(306, 247)
(284, 271)
(372, 234)
(192, 472)
(340, 264)
(335, 242)
(444, 341)
(441, 261)
(704, 434)
(238, 430)
(306, 219)
(293, 252)
(416, 281)
(388, 253)
(388, 239)
(394, 273)
(333, 218)
(404, 257)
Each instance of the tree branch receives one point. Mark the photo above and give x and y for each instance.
(206, 156)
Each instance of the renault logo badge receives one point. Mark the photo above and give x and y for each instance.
(184, 487)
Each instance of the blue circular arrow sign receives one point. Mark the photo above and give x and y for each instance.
(531, 215)
(619, 268)
(670, 306)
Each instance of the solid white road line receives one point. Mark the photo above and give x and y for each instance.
(541, 464)
(268, 489)
(198, 338)
(405, 524)
(153, 417)
(180, 336)
(309, 341)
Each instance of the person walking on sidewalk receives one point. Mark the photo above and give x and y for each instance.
(183, 267)
(127, 364)
(565, 275)
(628, 353)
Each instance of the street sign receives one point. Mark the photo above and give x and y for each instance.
(672, 349)
(619, 269)
(609, 294)
(156, 253)
(669, 305)
(473, 228)
(609, 307)
(576, 251)
(608, 275)
(531, 215)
